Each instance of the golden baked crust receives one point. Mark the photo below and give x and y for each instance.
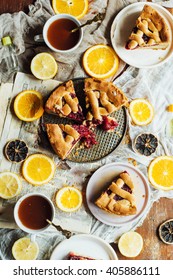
(63, 138)
(119, 198)
(102, 98)
(64, 102)
(151, 31)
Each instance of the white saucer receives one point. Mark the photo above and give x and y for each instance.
(101, 179)
(84, 245)
(121, 29)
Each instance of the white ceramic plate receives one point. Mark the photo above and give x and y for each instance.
(101, 179)
(84, 245)
(121, 29)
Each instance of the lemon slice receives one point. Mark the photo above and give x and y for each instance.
(76, 8)
(141, 111)
(38, 169)
(130, 244)
(25, 249)
(28, 105)
(160, 173)
(44, 66)
(100, 61)
(68, 199)
(10, 185)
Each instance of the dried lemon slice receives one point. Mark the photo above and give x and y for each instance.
(68, 199)
(38, 169)
(44, 66)
(25, 249)
(10, 185)
(141, 111)
(130, 244)
(100, 61)
(160, 173)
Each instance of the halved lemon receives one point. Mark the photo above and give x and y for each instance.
(25, 249)
(76, 8)
(38, 169)
(141, 111)
(44, 66)
(10, 185)
(100, 61)
(68, 199)
(130, 244)
(28, 105)
(160, 173)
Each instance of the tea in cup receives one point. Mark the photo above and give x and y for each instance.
(31, 212)
(58, 36)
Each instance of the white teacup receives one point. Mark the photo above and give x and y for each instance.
(23, 209)
(46, 28)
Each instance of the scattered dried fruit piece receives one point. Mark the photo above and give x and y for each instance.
(16, 150)
(10, 185)
(130, 244)
(170, 108)
(141, 111)
(166, 231)
(145, 144)
(25, 249)
(68, 199)
(160, 173)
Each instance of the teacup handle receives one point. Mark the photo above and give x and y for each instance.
(39, 38)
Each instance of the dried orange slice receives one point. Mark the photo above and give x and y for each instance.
(38, 169)
(160, 173)
(141, 111)
(130, 244)
(44, 66)
(76, 8)
(25, 249)
(100, 61)
(68, 199)
(28, 105)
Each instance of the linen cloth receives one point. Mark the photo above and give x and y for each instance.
(154, 84)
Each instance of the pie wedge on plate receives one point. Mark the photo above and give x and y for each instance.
(119, 198)
(151, 31)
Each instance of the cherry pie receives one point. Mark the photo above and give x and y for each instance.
(64, 102)
(63, 138)
(151, 31)
(102, 98)
(73, 256)
(119, 198)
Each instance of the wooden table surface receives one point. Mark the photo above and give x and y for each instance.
(154, 248)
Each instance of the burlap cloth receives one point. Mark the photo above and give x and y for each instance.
(154, 84)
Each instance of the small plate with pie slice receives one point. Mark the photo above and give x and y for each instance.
(118, 194)
(142, 35)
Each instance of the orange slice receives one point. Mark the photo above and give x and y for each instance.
(38, 169)
(160, 173)
(28, 105)
(76, 8)
(100, 61)
(170, 108)
(141, 111)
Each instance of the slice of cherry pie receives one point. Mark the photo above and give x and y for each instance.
(151, 31)
(119, 198)
(63, 138)
(74, 256)
(64, 103)
(103, 98)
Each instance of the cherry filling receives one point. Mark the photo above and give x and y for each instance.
(145, 38)
(78, 116)
(117, 197)
(75, 257)
(109, 124)
(86, 135)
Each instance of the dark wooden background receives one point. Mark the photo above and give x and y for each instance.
(154, 248)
